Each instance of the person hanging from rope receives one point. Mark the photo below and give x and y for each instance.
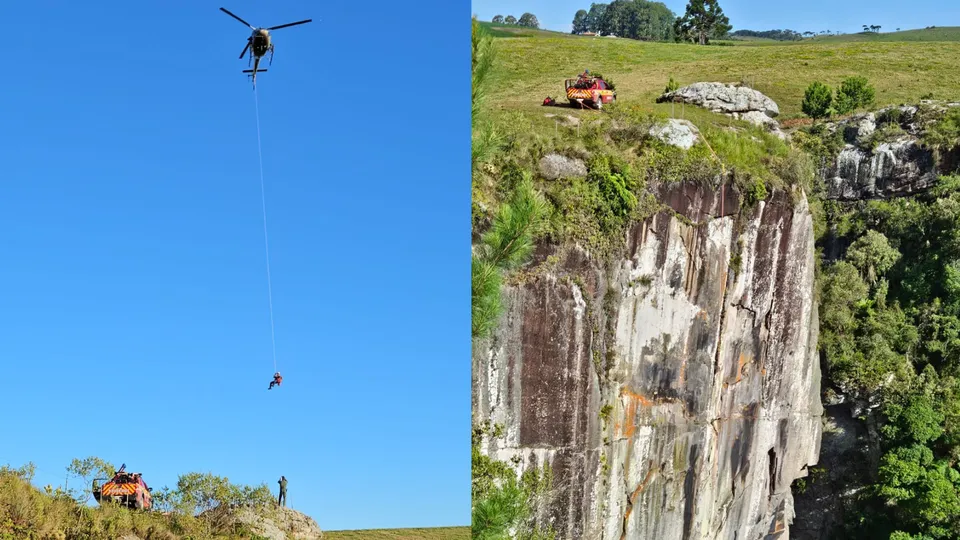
(277, 379)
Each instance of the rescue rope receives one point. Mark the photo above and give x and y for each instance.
(266, 242)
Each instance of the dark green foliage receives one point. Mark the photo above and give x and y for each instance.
(672, 86)
(704, 19)
(756, 193)
(482, 61)
(595, 210)
(528, 20)
(817, 101)
(634, 19)
(500, 501)
(612, 175)
(944, 134)
(778, 35)
(872, 255)
(854, 93)
(505, 247)
(890, 331)
(580, 22)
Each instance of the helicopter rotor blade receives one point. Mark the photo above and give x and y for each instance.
(247, 46)
(237, 18)
(290, 24)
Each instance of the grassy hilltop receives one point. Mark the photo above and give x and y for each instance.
(902, 66)
(193, 509)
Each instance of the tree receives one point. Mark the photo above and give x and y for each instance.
(497, 19)
(510, 20)
(200, 492)
(817, 101)
(854, 92)
(873, 255)
(88, 470)
(595, 17)
(482, 60)
(704, 19)
(506, 246)
(638, 19)
(529, 20)
(580, 22)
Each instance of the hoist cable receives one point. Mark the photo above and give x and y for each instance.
(266, 242)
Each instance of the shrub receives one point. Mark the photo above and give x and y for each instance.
(854, 92)
(817, 101)
(672, 86)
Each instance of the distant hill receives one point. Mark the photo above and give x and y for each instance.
(938, 33)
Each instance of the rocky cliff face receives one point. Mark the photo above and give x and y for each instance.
(674, 392)
(875, 165)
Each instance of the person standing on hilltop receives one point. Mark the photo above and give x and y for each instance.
(283, 491)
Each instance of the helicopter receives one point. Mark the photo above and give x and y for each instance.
(259, 43)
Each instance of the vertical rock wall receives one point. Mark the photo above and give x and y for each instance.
(675, 392)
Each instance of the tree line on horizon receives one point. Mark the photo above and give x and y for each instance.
(527, 20)
(646, 20)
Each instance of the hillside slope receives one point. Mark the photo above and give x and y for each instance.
(533, 67)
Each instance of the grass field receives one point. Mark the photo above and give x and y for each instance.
(436, 533)
(532, 64)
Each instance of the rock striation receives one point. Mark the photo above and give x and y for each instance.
(674, 392)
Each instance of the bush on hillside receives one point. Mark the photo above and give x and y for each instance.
(854, 93)
(817, 101)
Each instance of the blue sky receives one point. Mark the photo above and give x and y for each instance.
(135, 322)
(813, 15)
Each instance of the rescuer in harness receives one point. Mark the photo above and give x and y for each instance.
(277, 379)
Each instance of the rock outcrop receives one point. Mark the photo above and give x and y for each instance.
(740, 102)
(723, 98)
(674, 392)
(676, 132)
(554, 166)
(880, 165)
(273, 523)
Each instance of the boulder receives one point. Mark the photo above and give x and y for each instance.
(723, 98)
(555, 166)
(680, 133)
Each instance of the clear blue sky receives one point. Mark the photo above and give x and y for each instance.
(134, 322)
(813, 15)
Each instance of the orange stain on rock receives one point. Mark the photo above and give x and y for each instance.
(651, 471)
(634, 401)
(740, 363)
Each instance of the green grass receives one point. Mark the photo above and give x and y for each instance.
(433, 533)
(532, 66)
